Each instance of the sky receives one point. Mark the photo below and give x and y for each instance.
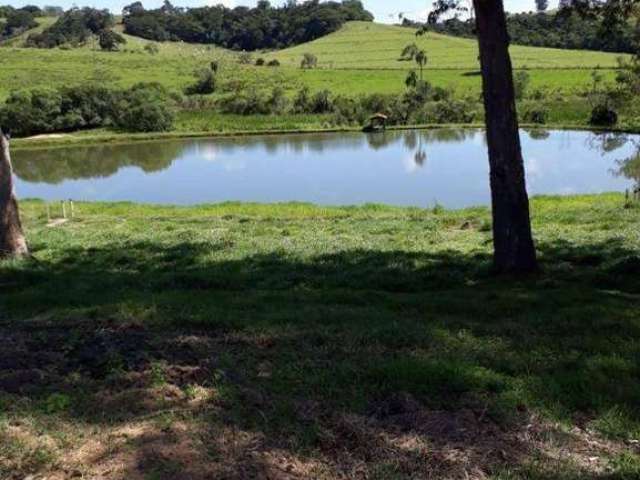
(384, 10)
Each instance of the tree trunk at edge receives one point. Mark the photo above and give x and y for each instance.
(12, 241)
(514, 250)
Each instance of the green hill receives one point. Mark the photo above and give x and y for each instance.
(362, 45)
(361, 58)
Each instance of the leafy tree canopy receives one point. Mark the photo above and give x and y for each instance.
(243, 28)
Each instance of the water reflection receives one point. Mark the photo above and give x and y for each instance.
(412, 167)
(59, 164)
(627, 166)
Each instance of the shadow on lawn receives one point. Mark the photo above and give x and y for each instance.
(363, 363)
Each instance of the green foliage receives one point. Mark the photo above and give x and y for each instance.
(41, 110)
(110, 40)
(412, 79)
(17, 21)
(521, 81)
(57, 402)
(409, 52)
(321, 102)
(151, 49)
(143, 108)
(273, 63)
(260, 62)
(534, 112)
(309, 61)
(205, 83)
(603, 115)
(245, 58)
(555, 30)
(263, 27)
(447, 111)
(74, 27)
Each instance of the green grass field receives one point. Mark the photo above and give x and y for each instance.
(299, 342)
(363, 45)
(375, 67)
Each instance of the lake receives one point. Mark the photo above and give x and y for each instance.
(405, 168)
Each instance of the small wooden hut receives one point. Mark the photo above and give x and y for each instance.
(377, 123)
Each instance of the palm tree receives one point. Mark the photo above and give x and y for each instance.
(409, 52)
(412, 79)
(421, 60)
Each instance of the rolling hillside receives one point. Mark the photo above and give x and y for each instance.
(362, 45)
(361, 58)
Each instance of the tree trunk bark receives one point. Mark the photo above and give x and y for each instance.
(12, 241)
(514, 250)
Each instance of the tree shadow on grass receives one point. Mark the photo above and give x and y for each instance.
(365, 363)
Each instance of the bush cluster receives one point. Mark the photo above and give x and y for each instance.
(75, 27)
(142, 108)
(422, 105)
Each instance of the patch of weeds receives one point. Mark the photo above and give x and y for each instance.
(437, 381)
(437, 209)
(20, 458)
(486, 226)
(158, 376)
(191, 391)
(57, 403)
(161, 468)
(617, 423)
(626, 466)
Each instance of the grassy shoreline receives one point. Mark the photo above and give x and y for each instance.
(102, 137)
(228, 340)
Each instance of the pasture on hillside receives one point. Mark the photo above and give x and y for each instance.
(375, 67)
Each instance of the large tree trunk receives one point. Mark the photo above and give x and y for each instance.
(12, 242)
(514, 251)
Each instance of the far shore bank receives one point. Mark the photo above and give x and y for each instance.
(102, 137)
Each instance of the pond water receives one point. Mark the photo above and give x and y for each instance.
(415, 167)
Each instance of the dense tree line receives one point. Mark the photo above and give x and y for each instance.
(141, 108)
(555, 30)
(243, 28)
(18, 20)
(74, 27)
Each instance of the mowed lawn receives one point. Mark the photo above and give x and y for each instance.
(361, 45)
(298, 342)
(361, 58)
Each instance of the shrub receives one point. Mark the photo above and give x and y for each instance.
(110, 40)
(273, 63)
(74, 27)
(521, 82)
(321, 102)
(143, 108)
(448, 111)
(17, 21)
(302, 101)
(375, 102)
(246, 103)
(309, 60)
(603, 115)
(151, 48)
(205, 83)
(277, 102)
(245, 58)
(534, 113)
(260, 62)
(43, 111)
